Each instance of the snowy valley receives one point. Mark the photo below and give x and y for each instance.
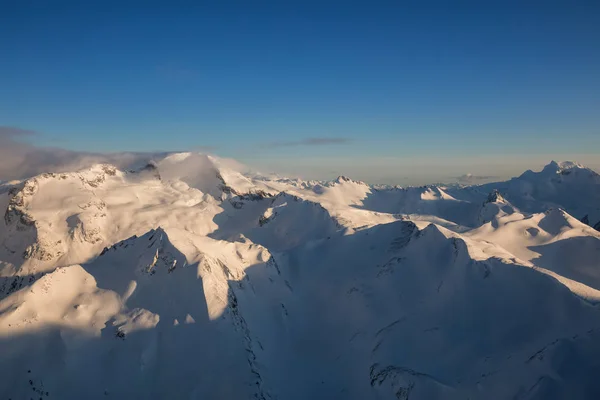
(191, 279)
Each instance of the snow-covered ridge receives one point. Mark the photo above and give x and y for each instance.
(192, 277)
(562, 166)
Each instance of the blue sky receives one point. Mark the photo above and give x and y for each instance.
(309, 87)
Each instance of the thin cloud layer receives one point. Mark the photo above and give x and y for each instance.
(470, 179)
(11, 131)
(310, 142)
(19, 160)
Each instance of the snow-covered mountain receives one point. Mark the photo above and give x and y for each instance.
(194, 278)
(567, 185)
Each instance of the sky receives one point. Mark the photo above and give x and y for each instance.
(387, 92)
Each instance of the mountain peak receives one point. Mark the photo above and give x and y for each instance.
(343, 179)
(559, 167)
(495, 197)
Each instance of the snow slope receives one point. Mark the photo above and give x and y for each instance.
(191, 278)
(567, 185)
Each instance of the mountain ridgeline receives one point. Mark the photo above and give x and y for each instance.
(191, 278)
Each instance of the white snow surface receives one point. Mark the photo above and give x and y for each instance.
(192, 278)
